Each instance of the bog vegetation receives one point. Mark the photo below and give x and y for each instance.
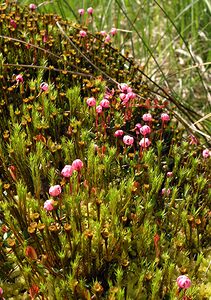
(105, 180)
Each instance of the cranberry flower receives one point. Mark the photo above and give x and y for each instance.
(91, 101)
(77, 165)
(183, 282)
(81, 11)
(90, 10)
(128, 140)
(145, 143)
(67, 171)
(49, 205)
(165, 117)
(55, 190)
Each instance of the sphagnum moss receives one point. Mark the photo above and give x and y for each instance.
(132, 216)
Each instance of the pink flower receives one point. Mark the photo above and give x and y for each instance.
(55, 190)
(118, 133)
(147, 117)
(67, 171)
(183, 282)
(19, 78)
(165, 117)
(137, 128)
(144, 130)
(81, 11)
(165, 192)
(77, 165)
(144, 143)
(1, 291)
(13, 23)
(32, 6)
(91, 101)
(113, 31)
(128, 140)
(169, 174)
(90, 10)
(107, 38)
(48, 205)
(193, 140)
(103, 33)
(99, 109)
(44, 86)
(206, 153)
(131, 95)
(105, 103)
(124, 87)
(82, 33)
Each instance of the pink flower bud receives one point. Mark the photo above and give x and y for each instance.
(67, 171)
(1, 291)
(91, 101)
(48, 205)
(128, 140)
(44, 86)
(99, 109)
(144, 143)
(131, 95)
(81, 11)
(206, 153)
(118, 133)
(123, 87)
(19, 78)
(165, 117)
(103, 33)
(113, 31)
(183, 282)
(107, 38)
(77, 165)
(32, 6)
(82, 33)
(137, 128)
(13, 23)
(55, 190)
(105, 103)
(193, 140)
(169, 174)
(90, 10)
(147, 117)
(165, 192)
(144, 130)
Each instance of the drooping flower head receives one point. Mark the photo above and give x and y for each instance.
(19, 78)
(82, 33)
(99, 109)
(206, 153)
(113, 31)
(77, 165)
(128, 140)
(49, 205)
(144, 130)
(90, 10)
(91, 101)
(183, 282)
(118, 133)
(32, 6)
(145, 143)
(67, 171)
(44, 86)
(147, 117)
(165, 117)
(105, 103)
(55, 190)
(81, 11)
